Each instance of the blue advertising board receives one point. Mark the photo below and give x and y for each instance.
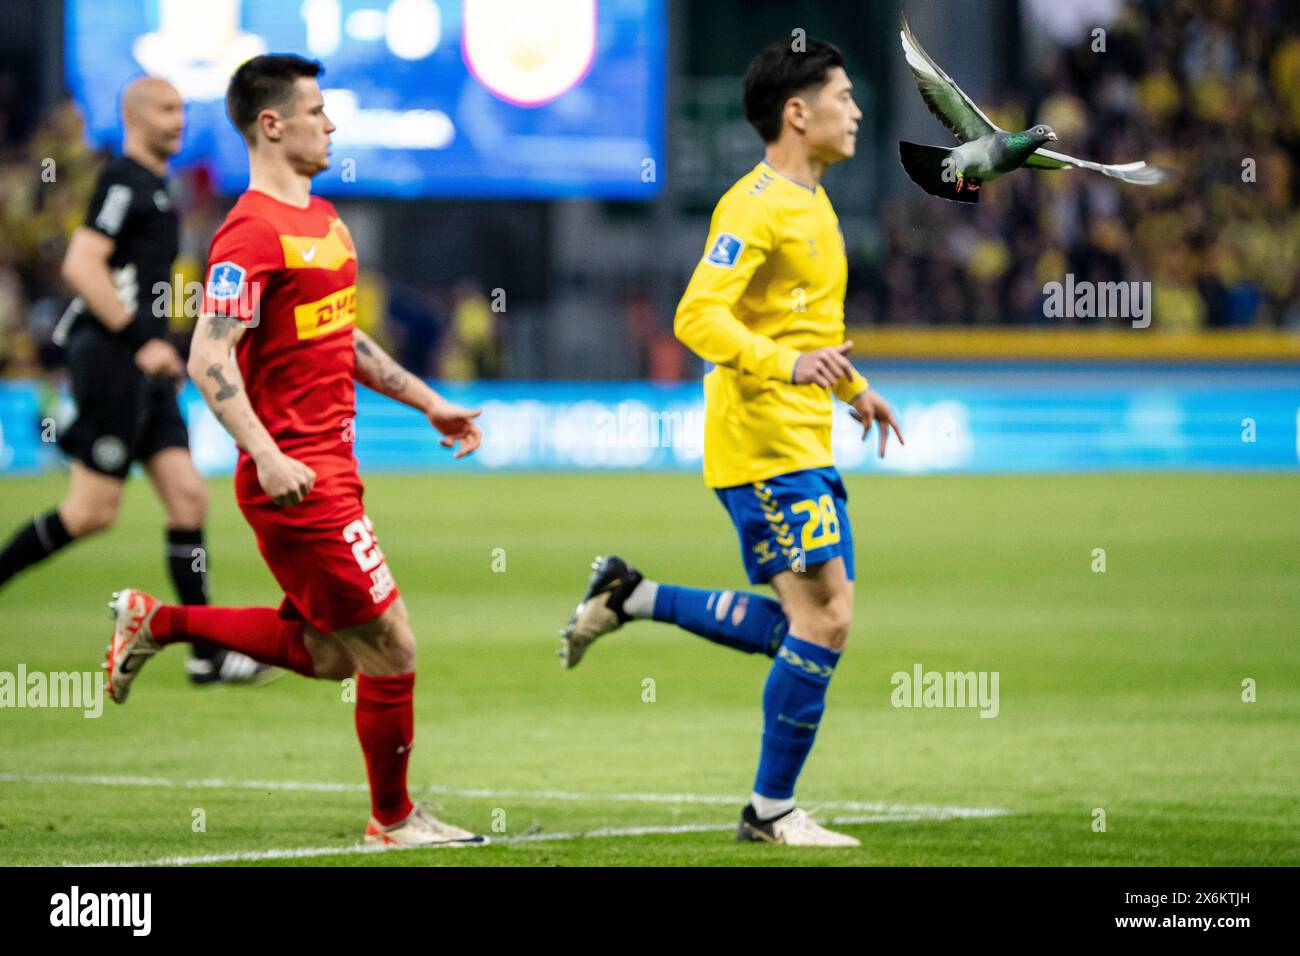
(1247, 420)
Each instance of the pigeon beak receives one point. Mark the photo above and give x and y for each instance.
(1052, 137)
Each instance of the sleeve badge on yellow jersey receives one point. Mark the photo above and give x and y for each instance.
(726, 250)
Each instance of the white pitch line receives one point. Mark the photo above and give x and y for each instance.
(602, 833)
(898, 811)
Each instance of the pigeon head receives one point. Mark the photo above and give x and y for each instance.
(1026, 141)
(1041, 134)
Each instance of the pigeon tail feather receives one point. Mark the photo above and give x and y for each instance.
(926, 166)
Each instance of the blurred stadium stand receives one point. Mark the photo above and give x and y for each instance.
(589, 286)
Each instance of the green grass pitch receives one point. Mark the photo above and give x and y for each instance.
(1119, 691)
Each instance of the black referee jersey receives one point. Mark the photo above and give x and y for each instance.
(123, 416)
(131, 206)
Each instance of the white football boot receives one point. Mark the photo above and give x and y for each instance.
(421, 828)
(132, 643)
(795, 828)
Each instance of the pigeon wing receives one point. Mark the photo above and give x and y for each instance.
(945, 98)
(1138, 173)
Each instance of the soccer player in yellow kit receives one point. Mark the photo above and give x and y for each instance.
(766, 305)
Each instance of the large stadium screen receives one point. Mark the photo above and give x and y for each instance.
(480, 98)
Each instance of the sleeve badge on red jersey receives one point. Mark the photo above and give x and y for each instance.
(225, 280)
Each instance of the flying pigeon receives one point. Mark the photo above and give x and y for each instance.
(987, 151)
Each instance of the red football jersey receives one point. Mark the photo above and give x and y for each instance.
(290, 275)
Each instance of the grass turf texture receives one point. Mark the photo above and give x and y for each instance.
(1119, 691)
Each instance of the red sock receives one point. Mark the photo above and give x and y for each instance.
(259, 632)
(386, 727)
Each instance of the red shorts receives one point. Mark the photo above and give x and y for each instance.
(325, 556)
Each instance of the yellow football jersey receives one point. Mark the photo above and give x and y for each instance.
(770, 286)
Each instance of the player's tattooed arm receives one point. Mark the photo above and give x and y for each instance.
(285, 480)
(224, 328)
(376, 369)
(211, 365)
(214, 371)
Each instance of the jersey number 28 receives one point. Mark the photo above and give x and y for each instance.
(821, 514)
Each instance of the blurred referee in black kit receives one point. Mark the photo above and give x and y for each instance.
(124, 372)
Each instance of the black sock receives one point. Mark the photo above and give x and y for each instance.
(187, 562)
(34, 542)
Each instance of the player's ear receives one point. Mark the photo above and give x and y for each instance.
(796, 113)
(268, 121)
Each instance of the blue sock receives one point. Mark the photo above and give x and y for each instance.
(793, 701)
(748, 622)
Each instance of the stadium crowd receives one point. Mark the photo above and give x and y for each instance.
(1209, 89)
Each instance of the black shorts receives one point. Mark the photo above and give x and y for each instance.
(122, 415)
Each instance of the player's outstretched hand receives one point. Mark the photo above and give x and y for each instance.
(285, 480)
(824, 366)
(159, 359)
(870, 407)
(457, 425)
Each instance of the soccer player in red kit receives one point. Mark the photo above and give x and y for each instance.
(281, 292)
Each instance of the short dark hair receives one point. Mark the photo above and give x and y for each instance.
(778, 73)
(265, 82)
